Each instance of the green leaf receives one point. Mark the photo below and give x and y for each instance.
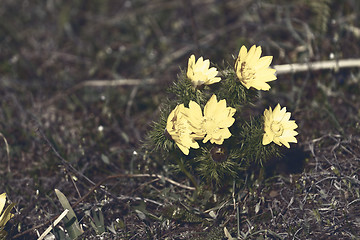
(98, 224)
(105, 159)
(71, 222)
(6, 216)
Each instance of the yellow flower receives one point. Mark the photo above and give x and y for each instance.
(179, 129)
(278, 128)
(6, 215)
(214, 123)
(217, 119)
(199, 73)
(252, 70)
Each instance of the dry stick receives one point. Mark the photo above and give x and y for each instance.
(331, 64)
(98, 185)
(54, 224)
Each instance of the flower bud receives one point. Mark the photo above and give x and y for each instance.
(219, 153)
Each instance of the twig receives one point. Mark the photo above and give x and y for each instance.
(54, 224)
(331, 64)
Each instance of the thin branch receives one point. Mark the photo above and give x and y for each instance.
(331, 64)
(54, 224)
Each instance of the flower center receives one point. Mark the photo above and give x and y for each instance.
(179, 127)
(277, 128)
(247, 73)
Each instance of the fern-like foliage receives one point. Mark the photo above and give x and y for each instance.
(156, 139)
(250, 136)
(217, 172)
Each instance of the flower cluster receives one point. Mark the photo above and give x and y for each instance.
(203, 116)
(185, 125)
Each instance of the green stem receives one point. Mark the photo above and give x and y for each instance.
(191, 177)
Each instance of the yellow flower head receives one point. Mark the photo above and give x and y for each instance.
(252, 70)
(214, 123)
(6, 215)
(179, 129)
(217, 119)
(199, 73)
(278, 128)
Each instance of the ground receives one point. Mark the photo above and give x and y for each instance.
(64, 133)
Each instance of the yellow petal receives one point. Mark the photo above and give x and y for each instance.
(255, 57)
(289, 139)
(278, 113)
(289, 133)
(199, 62)
(205, 64)
(260, 85)
(191, 63)
(264, 62)
(184, 149)
(220, 107)
(267, 139)
(286, 117)
(212, 72)
(225, 133)
(218, 141)
(210, 107)
(207, 137)
(242, 52)
(266, 75)
(2, 201)
(213, 80)
(250, 53)
(286, 144)
(194, 112)
(290, 124)
(228, 122)
(277, 141)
